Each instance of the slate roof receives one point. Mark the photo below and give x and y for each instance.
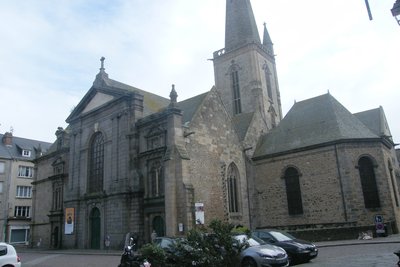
(375, 120)
(15, 150)
(151, 102)
(312, 122)
(242, 122)
(240, 27)
(190, 106)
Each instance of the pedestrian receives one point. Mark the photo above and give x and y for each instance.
(153, 236)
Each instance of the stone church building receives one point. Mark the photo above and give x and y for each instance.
(132, 162)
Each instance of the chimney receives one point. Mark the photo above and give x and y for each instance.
(7, 139)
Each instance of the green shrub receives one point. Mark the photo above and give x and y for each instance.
(210, 247)
(154, 254)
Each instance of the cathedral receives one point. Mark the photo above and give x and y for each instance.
(133, 162)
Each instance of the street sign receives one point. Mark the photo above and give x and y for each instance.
(379, 225)
(378, 219)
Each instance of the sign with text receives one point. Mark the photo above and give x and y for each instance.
(69, 221)
(199, 213)
(379, 226)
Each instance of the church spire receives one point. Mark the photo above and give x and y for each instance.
(240, 24)
(267, 43)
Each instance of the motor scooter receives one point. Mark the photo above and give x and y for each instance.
(129, 259)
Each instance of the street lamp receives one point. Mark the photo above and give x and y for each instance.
(396, 11)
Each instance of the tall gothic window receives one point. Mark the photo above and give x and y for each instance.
(57, 196)
(394, 187)
(268, 75)
(272, 113)
(156, 179)
(232, 183)
(237, 106)
(368, 183)
(293, 191)
(96, 163)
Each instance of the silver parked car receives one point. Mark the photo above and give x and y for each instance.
(261, 254)
(8, 256)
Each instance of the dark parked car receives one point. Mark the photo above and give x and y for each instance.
(175, 249)
(166, 243)
(298, 250)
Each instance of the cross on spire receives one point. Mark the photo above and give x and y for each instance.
(102, 63)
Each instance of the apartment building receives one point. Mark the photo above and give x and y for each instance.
(16, 176)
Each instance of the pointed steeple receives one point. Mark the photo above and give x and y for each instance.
(240, 24)
(267, 43)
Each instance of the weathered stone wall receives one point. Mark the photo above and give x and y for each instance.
(249, 61)
(42, 203)
(213, 146)
(330, 186)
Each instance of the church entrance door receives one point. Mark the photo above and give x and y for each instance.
(55, 236)
(94, 224)
(158, 225)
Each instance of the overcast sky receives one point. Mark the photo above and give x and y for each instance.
(50, 53)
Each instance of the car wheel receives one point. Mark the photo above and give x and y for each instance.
(290, 260)
(249, 262)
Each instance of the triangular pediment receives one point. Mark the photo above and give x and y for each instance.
(98, 100)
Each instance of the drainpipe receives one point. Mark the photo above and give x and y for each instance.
(341, 183)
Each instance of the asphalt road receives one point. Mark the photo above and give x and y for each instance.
(35, 259)
(361, 255)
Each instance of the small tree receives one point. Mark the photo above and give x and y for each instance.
(212, 247)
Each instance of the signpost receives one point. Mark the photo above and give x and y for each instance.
(379, 225)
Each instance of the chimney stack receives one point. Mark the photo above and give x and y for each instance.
(7, 139)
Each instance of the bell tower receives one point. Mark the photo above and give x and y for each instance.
(245, 70)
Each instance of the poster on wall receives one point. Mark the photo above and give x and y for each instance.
(199, 213)
(69, 221)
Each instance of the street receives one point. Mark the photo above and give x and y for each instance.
(372, 255)
(35, 259)
(363, 255)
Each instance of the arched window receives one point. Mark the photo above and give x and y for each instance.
(293, 191)
(232, 183)
(394, 187)
(368, 183)
(272, 113)
(268, 75)
(96, 163)
(156, 178)
(234, 73)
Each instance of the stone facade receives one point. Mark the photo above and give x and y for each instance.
(48, 194)
(138, 162)
(334, 192)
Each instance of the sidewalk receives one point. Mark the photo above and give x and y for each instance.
(70, 251)
(377, 240)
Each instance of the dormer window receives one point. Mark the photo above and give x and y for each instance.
(26, 153)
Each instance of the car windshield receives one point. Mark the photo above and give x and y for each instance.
(253, 241)
(281, 236)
